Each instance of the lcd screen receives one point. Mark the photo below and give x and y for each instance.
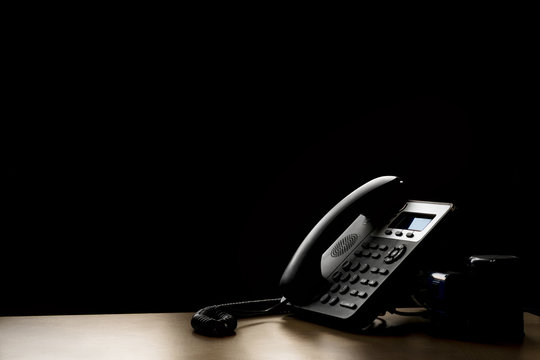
(412, 221)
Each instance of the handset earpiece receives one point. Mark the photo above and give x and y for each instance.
(376, 199)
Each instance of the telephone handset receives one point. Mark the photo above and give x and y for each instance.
(373, 201)
(347, 277)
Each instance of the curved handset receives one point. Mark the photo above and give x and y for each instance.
(376, 200)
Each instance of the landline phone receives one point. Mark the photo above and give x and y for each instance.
(346, 278)
(355, 278)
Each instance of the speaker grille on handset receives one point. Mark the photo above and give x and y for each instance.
(344, 245)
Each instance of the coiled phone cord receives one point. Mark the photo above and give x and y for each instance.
(220, 320)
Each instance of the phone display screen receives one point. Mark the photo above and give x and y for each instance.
(412, 221)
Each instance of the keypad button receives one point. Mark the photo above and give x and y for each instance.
(325, 298)
(348, 305)
(383, 247)
(410, 235)
(345, 277)
(373, 283)
(383, 271)
(336, 276)
(355, 266)
(366, 253)
(346, 265)
(354, 292)
(364, 268)
(344, 290)
(334, 300)
(388, 232)
(373, 246)
(399, 233)
(355, 278)
(362, 294)
(364, 281)
(376, 255)
(374, 270)
(334, 288)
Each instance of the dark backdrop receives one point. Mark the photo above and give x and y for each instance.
(169, 201)
(162, 173)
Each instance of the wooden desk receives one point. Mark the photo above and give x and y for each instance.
(169, 336)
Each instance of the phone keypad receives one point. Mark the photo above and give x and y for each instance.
(362, 273)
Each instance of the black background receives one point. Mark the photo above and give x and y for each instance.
(169, 217)
(167, 182)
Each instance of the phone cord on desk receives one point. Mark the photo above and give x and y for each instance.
(220, 320)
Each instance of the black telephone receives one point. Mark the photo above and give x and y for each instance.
(348, 277)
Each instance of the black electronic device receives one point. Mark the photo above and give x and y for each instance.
(350, 278)
(354, 263)
(483, 301)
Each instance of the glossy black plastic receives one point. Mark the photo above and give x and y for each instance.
(376, 199)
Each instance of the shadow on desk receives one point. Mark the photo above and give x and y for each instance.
(397, 326)
(392, 336)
